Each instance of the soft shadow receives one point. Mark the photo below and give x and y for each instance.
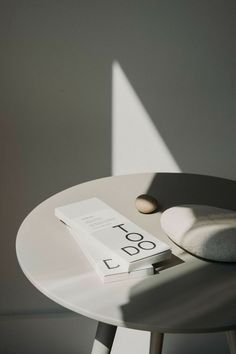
(197, 295)
(192, 297)
(172, 262)
(172, 189)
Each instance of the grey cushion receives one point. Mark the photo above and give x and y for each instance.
(204, 231)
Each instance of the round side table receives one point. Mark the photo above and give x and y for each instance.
(186, 295)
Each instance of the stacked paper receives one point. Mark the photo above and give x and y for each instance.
(107, 268)
(116, 247)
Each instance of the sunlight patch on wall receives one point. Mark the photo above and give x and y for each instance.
(137, 145)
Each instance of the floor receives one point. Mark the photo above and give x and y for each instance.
(70, 334)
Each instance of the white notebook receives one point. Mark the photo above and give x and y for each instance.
(125, 241)
(107, 268)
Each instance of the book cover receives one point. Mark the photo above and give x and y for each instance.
(106, 267)
(123, 239)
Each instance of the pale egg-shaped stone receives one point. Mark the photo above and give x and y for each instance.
(204, 231)
(146, 204)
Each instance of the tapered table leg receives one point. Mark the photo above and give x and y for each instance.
(156, 342)
(231, 337)
(104, 338)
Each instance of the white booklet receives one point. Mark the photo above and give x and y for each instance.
(125, 241)
(107, 268)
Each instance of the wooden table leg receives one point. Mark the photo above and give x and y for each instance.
(231, 337)
(104, 338)
(156, 342)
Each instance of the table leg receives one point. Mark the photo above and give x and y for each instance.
(156, 342)
(231, 337)
(104, 338)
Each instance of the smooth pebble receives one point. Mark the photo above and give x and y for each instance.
(146, 204)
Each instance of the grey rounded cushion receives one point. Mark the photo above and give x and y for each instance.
(204, 231)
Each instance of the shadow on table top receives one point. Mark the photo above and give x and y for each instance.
(196, 296)
(172, 189)
(192, 297)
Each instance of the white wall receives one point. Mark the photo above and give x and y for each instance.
(58, 125)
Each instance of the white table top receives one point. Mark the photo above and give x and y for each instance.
(191, 295)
